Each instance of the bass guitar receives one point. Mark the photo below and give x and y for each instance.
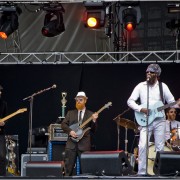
(79, 129)
(155, 111)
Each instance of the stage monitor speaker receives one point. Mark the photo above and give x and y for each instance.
(110, 163)
(45, 169)
(167, 163)
(56, 150)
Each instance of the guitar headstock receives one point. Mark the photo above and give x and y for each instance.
(22, 110)
(108, 104)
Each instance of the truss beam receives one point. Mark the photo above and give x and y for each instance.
(91, 57)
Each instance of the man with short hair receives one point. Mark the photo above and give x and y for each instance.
(151, 92)
(172, 128)
(76, 117)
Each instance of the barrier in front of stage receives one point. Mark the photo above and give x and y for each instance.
(110, 163)
(167, 163)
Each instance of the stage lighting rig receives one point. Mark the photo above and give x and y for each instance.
(9, 20)
(130, 17)
(94, 15)
(53, 21)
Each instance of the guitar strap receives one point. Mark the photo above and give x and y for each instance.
(161, 91)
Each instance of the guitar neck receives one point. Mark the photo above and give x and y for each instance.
(8, 117)
(167, 106)
(90, 118)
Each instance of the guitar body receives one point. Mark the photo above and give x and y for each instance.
(141, 118)
(80, 132)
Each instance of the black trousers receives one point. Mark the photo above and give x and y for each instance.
(70, 161)
(2, 155)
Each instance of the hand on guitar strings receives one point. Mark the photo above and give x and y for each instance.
(73, 134)
(145, 111)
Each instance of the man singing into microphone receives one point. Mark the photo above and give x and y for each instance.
(157, 92)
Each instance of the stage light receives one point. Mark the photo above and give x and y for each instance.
(92, 22)
(94, 16)
(53, 21)
(9, 21)
(129, 17)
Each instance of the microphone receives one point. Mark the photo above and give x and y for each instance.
(147, 79)
(54, 86)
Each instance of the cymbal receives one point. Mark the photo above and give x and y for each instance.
(127, 123)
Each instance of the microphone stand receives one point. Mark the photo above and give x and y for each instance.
(118, 128)
(147, 119)
(30, 99)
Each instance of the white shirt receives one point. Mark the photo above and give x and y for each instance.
(140, 91)
(82, 113)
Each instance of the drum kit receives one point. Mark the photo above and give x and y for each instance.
(127, 124)
(174, 144)
(175, 139)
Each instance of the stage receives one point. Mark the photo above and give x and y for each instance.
(93, 177)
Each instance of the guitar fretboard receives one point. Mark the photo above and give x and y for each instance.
(166, 106)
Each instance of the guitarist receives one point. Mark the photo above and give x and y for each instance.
(158, 126)
(74, 149)
(3, 113)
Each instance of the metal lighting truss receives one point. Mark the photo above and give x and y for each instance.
(91, 57)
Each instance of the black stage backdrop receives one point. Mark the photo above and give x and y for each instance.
(101, 82)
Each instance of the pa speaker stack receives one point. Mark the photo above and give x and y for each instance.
(167, 163)
(110, 163)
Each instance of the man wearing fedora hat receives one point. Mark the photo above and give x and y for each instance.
(151, 92)
(3, 113)
(73, 148)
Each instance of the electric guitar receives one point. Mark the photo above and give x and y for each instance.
(13, 114)
(79, 129)
(155, 111)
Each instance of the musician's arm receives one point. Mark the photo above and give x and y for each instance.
(133, 98)
(168, 96)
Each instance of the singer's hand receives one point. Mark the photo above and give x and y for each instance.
(145, 111)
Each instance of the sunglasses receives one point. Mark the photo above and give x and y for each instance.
(79, 99)
(150, 72)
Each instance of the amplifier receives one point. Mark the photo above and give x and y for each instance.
(25, 158)
(56, 133)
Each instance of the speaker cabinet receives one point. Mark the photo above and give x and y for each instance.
(56, 150)
(112, 163)
(45, 169)
(167, 163)
(25, 158)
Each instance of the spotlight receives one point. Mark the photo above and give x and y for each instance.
(94, 16)
(53, 22)
(9, 21)
(130, 17)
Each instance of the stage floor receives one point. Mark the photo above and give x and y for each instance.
(80, 177)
